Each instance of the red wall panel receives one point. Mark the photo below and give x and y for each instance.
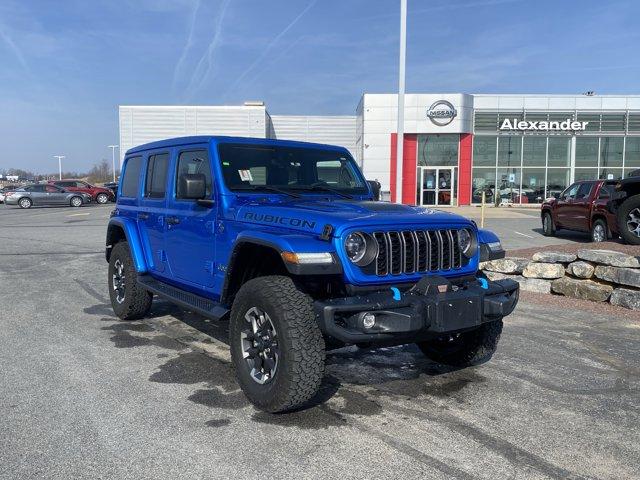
(410, 163)
(464, 169)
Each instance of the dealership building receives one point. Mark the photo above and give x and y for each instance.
(513, 148)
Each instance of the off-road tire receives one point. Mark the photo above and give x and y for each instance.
(102, 198)
(302, 350)
(25, 202)
(599, 223)
(548, 227)
(137, 300)
(76, 202)
(469, 348)
(624, 210)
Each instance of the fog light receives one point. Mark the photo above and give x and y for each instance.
(368, 320)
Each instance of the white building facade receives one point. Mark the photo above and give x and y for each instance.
(513, 148)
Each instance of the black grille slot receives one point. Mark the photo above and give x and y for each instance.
(423, 250)
(457, 254)
(396, 257)
(382, 267)
(411, 251)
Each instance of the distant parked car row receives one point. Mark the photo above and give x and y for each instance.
(101, 195)
(45, 194)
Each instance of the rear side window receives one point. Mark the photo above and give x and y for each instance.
(195, 161)
(131, 176)
(156, 181)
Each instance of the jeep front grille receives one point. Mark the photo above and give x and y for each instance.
(417, 251)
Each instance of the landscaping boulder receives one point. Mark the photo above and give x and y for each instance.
(507, 265)
(536, 285)
(543, 270)
(580, 269)
(624, 276)
(609, 257)
(493, 276)
(584, 289)
(553, 257)
(626, 298)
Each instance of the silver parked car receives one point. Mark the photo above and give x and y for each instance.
(30, 195)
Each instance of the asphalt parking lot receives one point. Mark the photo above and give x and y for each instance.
(84, 395)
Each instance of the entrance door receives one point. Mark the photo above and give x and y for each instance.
(436, 185)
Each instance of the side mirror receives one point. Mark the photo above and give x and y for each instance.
(375, 187)
(192, 186)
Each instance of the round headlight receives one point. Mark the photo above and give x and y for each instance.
(466, 242)
(356, 246)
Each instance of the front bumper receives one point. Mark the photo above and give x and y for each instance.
(417, 314)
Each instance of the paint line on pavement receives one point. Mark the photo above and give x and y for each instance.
(78, 214)
(523, 234)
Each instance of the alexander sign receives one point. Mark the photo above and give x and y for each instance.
(543, 125)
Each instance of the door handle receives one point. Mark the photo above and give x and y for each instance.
(143, 216)
(173, 220)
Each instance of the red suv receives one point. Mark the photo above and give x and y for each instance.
(99, 194)
(582, 207)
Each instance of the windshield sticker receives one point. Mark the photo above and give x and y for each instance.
(226, 164)
(245, 175)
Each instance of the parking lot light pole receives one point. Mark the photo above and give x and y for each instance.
(113, 160)
(59, 157)
(401, 84)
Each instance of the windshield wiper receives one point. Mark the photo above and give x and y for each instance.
(268, 188)
(321, 186)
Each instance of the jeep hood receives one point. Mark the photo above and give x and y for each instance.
(312, 215)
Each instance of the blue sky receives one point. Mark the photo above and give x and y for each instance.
(66, 66)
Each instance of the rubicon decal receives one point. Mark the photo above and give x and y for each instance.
(288, 221)
(568, 124)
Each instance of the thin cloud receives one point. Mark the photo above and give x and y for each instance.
(447, 6)
(187, 46)
(206, 63)
(268, 48)
(14, 49)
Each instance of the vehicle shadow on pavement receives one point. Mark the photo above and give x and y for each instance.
(355, 383)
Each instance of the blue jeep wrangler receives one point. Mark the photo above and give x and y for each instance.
(284, 240)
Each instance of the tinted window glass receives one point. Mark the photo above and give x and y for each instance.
(131, 176)
(245, 166)
(606, 191)
(571, 191)
(156, 181)
(584, 191)
(52, 189)
(196, 161)
(37, 188)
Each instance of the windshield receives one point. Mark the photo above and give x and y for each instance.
(256, 167)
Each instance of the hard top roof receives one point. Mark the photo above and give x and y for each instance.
(199, 139)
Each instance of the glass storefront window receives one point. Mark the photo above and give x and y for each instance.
(483, 180)
(438, 150)
(585, 174)
(559, 152)
(586, 152)
(532, 185)
(484, 151)
(610, 173)
(557, 181)
(534, 151)
(509, 148)
(508, 185)
(632, 153)
(611, 151)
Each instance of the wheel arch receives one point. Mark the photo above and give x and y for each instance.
(119, 230)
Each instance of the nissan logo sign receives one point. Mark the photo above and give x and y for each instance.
(441, 113)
